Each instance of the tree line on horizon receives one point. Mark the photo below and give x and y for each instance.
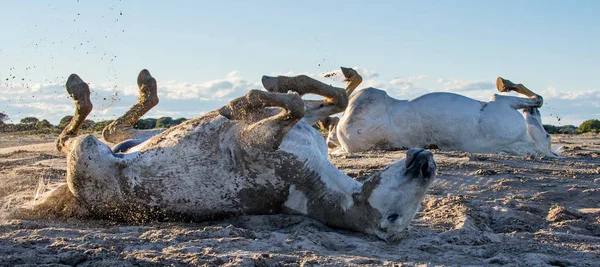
(44, 126)
(35, 125)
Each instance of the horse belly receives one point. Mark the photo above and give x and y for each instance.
(469, 125)
(206, 176)
(448, 121)
(206, 188)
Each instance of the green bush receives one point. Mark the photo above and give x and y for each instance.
(3, 117)
(164, 122)
(178, 121)
(592, 125)
(64, 122)
(43, 124)
(99, 126)
(149, 123)
(551, 129)
(29, 121)
(566, 129)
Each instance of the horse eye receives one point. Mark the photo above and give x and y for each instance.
(547, 135)
(393, 217)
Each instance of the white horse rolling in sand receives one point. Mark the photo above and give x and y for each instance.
(257, 155)
(375, 121)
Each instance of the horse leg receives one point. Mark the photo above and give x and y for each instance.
(122, 128)
(352, 79)
(505, 86)
(266, 133)
(336, 99)
(516, 102)
(533, 117)
(80, 92)
(328, 124)
(332, 140)
(92, 170)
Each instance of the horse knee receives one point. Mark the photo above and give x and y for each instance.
(539, 101)
(341, 99)
(295, 106)
(254, 97)
(113, 133)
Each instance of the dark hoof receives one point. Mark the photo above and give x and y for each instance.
(504, 85)
(270, 83)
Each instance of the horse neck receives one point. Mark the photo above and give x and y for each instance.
(330, 195)
(353, 212)
(333, 181)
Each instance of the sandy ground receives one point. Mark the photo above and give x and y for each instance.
(481, 210)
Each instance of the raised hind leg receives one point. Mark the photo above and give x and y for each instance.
(533, 100)
(80, 92)
(122, 129)
(516, 102)
(262, 130)
(505, 86)
(336, 99)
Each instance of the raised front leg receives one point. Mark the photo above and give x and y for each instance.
(80, 92)
(264, 131)
(122, 129)
(336, 99)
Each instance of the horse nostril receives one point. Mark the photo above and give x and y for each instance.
(393, 217)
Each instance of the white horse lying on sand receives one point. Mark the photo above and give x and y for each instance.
(373, 120)
(257, 155)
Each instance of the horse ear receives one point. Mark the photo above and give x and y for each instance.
(420, 164)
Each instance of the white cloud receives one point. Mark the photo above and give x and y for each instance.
(588, 95)
(52, 102)
(45, 106)
(43, 110)
(458, 85)
(226, 88)
(406, 86)
(366, 73)
(183, 99)
(399, 87)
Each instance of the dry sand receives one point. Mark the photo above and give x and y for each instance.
(482, 210)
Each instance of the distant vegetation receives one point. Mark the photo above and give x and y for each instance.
(37, 126)
(589, 126)
(162, 122)
(567, 129)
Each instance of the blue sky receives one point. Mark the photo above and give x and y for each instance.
(205, 53)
